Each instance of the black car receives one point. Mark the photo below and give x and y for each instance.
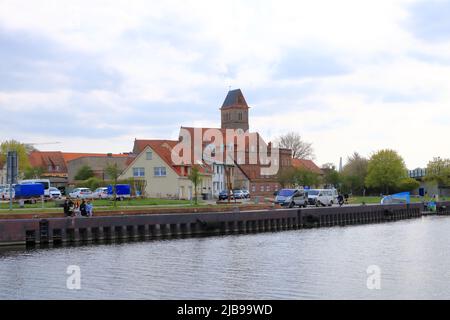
(223, 195)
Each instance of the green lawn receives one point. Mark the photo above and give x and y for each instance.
(107, 203)
(368, 200)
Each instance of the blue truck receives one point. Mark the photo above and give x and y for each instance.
(29, 191)
(122, 191)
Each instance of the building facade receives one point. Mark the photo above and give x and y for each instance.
(98, 164)
(2, 172)
(163, 178)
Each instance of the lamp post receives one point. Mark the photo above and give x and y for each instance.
(11, 173)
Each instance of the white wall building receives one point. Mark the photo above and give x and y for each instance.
(218, 179)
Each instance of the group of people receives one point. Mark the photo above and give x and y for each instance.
(342, 199)
(73, 209)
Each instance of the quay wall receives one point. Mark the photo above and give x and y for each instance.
(153, 226)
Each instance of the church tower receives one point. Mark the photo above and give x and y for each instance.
(234, 111)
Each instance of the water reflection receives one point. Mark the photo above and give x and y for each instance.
(301, 264)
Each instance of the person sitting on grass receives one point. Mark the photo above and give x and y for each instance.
(89, 208)
(83, 208)
(68, 207)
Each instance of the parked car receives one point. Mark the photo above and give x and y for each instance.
(321, 197)
(100, 193)
(292, 197)
(55, 193)
(223, 195)
(4, 194)
(246, 193)
(238, 194)
(81, 193)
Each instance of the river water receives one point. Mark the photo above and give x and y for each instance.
(413, 257)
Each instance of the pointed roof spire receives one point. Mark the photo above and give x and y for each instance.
(234, 98)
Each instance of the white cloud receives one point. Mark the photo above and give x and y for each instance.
(174, 56)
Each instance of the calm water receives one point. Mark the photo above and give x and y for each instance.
(414, 257)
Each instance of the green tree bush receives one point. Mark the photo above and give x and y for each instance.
(196, 179)
(84, 173)
(438, 171)
(385, 170)
(408, 184)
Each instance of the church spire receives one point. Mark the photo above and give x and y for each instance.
(234, 111)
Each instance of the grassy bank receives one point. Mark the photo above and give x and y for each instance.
(371, 200)
(106, 203)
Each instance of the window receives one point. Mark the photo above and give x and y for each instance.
(138, 172)
(267, 188)
(253, 188)
(159, 171)
(261, 188)
(149, 155)
(240, 116)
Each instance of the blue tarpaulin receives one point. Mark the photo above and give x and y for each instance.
(403, 197)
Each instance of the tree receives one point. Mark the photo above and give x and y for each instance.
(331, 176)
(196, 179)
(84, 173)
(113, 172)
(385, 170)
(354, 173)
(33, 173)
(286, 177)
(300, 149)
(304, 177)
(438, 170)
(20, 148)
(408, 184)
(291, 177)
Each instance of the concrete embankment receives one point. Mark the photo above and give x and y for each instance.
(153, 226)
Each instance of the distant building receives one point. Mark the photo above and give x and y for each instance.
(307, 164)
(56, 167)
(2, 172)
(242, 173)
(97, 163)
(152, 162)
(427, 187)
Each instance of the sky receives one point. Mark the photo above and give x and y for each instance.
(348, 76)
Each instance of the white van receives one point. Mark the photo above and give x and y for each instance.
(321, 197)
(45, 182)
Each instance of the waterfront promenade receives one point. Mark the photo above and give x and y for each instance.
(152, 225)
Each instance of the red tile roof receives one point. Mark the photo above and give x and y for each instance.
(69, 156)
(251, 171)
(162, 147)
(59, 159)
(45, 159)
(306, 164)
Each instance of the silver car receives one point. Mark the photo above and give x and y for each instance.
(291, 198)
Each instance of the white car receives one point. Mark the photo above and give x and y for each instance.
(4, 193)
(55, 193)
(321, 197)
(81, 193)
(100, 193)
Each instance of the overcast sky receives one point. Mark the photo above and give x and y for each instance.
(347, 75)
